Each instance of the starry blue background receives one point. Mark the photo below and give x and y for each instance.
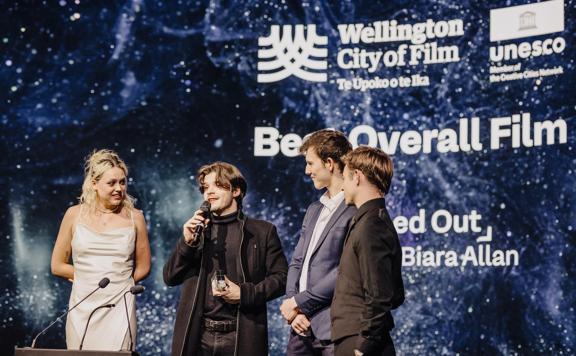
(172, 85)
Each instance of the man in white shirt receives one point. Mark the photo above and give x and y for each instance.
(312, 271)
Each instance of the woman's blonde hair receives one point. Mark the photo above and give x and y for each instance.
(95, 165)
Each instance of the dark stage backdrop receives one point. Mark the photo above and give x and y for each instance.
(474, 100)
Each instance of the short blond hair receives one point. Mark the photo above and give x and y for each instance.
(374, 163)
(96, 163)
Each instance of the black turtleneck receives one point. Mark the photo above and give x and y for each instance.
(220, 253)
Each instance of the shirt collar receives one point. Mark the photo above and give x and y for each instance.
(224, 219)
(373, 204)
(333, 202)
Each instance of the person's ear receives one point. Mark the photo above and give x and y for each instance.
(236, 192)
(358, 176)
(330, 165)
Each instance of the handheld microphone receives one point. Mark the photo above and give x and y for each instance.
(137, 289)
(90, 317)
(102, 284)
(199, 229)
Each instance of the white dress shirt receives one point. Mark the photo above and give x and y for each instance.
(330, 205)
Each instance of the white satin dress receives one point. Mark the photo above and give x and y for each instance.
(97, 255)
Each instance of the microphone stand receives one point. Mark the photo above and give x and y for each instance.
(128, 320)
(137, 289)
(88, 322)
(62, 315)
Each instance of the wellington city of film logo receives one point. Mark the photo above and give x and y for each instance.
(295, 50)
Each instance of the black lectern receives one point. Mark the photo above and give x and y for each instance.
(27, 351)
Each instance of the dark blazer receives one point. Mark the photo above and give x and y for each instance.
(315, 300)
(369, 281)
(263, 266)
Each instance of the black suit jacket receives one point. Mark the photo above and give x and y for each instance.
(369, 283)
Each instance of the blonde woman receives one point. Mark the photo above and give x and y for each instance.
(106, 237)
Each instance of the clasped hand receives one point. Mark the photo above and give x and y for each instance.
(297, 320)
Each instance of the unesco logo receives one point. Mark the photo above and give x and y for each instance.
(296, 50)
(527, 21)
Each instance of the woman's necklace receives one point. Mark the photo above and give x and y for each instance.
(108, 211)
(104, 212)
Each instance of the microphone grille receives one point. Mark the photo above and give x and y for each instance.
(137, 289)
(103, 282)
(205, 207)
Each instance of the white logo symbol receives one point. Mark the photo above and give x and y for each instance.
(287, 55)
(527, 21)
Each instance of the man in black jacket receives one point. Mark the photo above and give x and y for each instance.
(369, 283)
(226, 317)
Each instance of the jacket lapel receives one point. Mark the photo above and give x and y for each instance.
(339, 211)
(311, 224)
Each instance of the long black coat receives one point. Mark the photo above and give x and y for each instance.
(263, 267)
